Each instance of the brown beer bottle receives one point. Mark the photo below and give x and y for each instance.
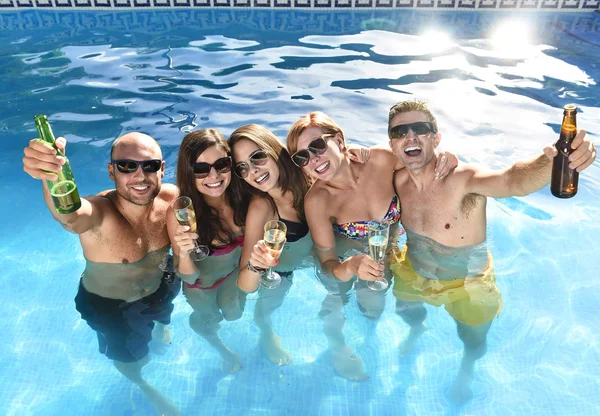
(564, 180)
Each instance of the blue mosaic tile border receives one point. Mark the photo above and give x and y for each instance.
(318, 21)
(558, 5)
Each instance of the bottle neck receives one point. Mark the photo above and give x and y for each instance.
(569, 124)
(44, 130)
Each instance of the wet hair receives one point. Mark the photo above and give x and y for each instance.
(408, 106)
(210, 227)
(314, 119)
(291, 179)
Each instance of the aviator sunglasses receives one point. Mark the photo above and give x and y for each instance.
(130, 166)
(257, 158)
(316, 147)
(202, 169)
(419, 128)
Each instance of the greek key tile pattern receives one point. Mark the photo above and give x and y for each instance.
(202, 14)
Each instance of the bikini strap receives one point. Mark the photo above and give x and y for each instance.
(277, 211)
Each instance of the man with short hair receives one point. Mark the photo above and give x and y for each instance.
(126, 290)
(445, 260)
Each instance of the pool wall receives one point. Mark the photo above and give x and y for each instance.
(532, 5)
(163, 20)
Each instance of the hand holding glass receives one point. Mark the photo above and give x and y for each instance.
(275, 232)
(184, 212)
(378, 242)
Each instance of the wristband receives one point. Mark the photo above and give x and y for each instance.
(254, 269)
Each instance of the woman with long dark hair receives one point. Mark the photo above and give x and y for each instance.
(277, 188)
(210, 285)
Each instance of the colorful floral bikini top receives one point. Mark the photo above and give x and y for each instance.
(360, 229)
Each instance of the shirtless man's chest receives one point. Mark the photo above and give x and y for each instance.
(121, 241)
(124, 257)
(442, 211)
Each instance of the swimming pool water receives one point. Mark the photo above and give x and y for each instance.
(498, 99)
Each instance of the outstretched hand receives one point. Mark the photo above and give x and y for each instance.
(583, 155)
(41, 159)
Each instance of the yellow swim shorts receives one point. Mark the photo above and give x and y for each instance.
(473, 301)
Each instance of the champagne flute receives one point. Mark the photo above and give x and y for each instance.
(184, 212)
(274, 237)
(378, 242)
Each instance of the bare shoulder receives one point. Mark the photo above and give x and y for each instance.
(106, 194)
(465, 171)
(459, 178)
(382, 156)
(103, 200)
(260, 204)
(260, 211)
(401, 176)
(317, 197)
(168, 192)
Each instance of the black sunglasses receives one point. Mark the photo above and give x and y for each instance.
(316, 147)
(130, 166)
(202, 169)
(419, 128)
(257, 158)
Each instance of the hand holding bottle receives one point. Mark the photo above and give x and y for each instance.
(61, 183)
(583, 152)
(41, 159)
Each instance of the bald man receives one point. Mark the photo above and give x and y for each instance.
(126, 290)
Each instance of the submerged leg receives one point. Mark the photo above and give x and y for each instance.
(268, 301)
(205, 321)
(474, 340)
(345, 361)
(161, 333)
(133, 371)
(414, 314)
(161, 338)
(370, 302)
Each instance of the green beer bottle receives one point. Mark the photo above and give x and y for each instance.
(63, 190)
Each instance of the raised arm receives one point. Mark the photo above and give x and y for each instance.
(381, 153)
(260, 211)
(39, 162)
(523, 178)
(446, 161)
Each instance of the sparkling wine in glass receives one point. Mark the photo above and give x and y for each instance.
(378, 242)
(274, 237)
(184, 212)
